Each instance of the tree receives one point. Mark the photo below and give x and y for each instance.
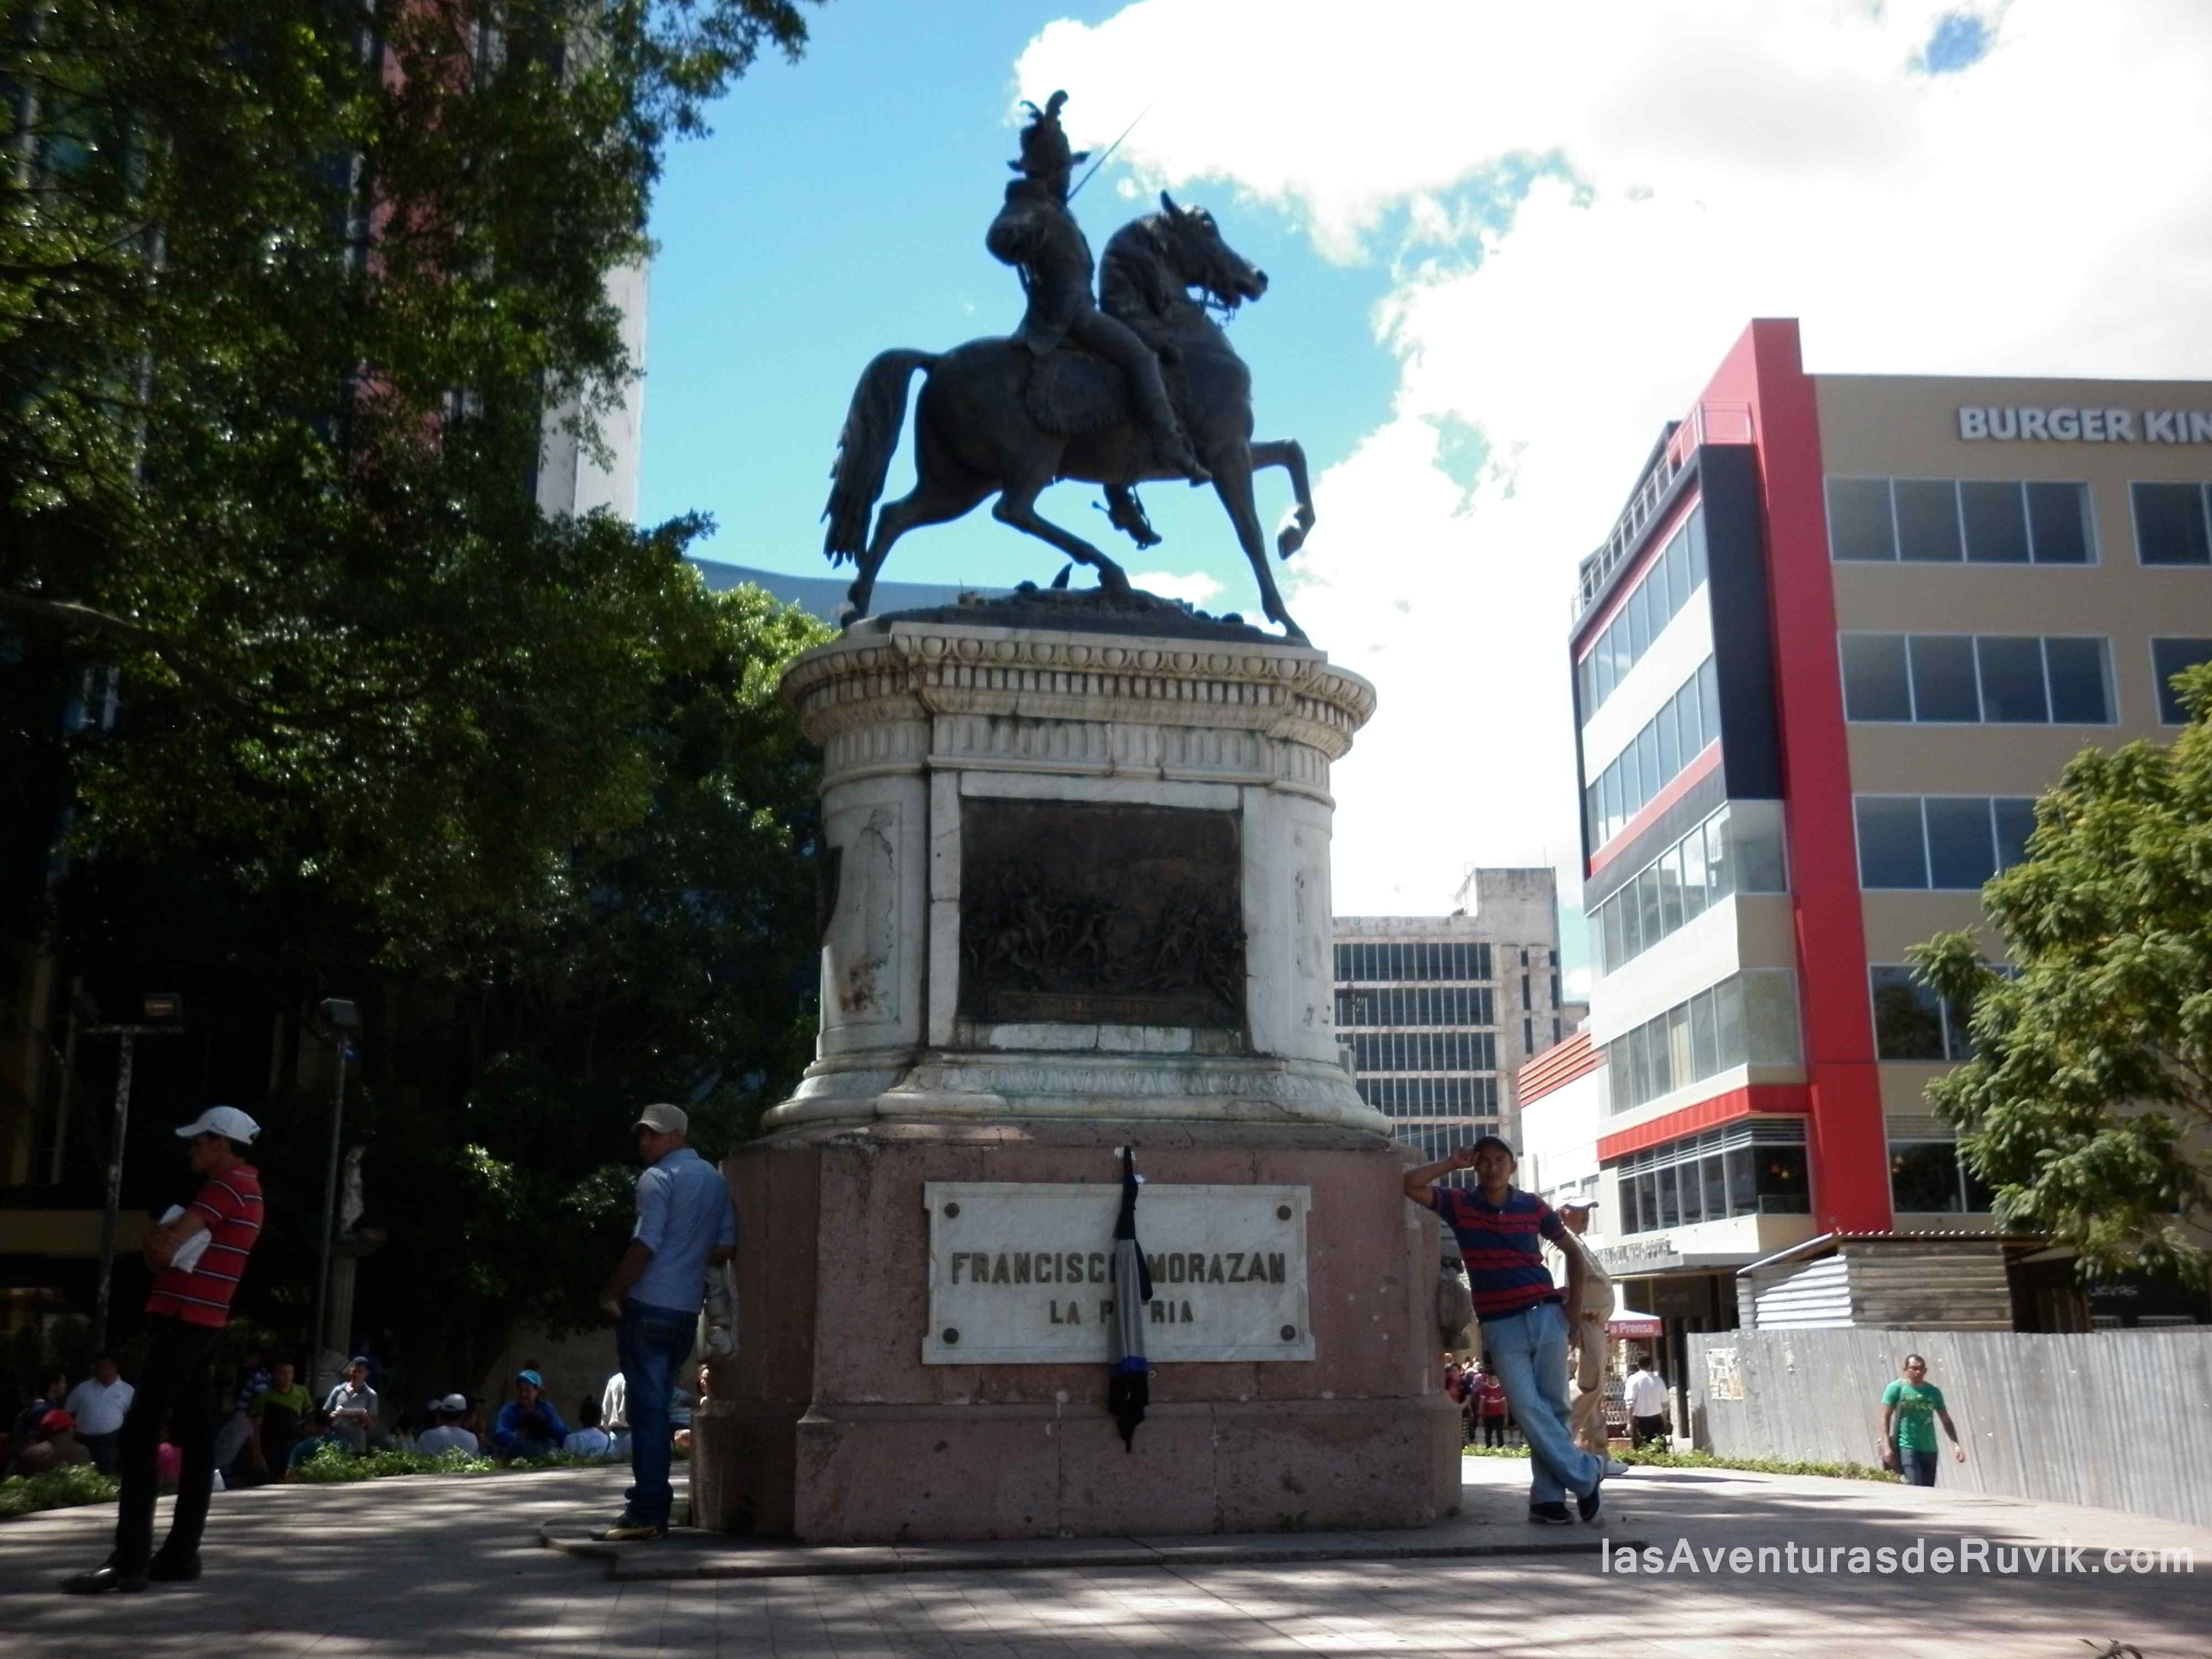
(288, 290)
(2087, 1103)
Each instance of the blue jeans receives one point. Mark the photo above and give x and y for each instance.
(1917, 1467)
(1528, 1351)
(651, 1343)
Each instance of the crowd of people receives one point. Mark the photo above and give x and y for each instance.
(176, 1427)
(270, 1425)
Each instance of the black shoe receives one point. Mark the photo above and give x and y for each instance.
(102, 1579)
(1587, 1505)
(1550, 1514)
(166, 1569)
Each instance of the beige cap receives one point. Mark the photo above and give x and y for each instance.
(663, 1119)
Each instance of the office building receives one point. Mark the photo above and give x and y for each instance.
(1440, 1012)
(1845, 629)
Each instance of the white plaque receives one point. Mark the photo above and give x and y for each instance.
(1021, 1273)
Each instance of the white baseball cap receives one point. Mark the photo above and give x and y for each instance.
(225, 1120)
(451, 1402)
(663, 1119)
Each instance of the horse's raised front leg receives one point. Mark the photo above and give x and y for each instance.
(1017, 507)
(1289, 454)
(1232, 481)
(931, 500)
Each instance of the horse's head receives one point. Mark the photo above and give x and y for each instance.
(1197, 256)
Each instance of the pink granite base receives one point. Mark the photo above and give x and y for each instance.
(826, 1425)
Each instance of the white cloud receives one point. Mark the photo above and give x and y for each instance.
(1196, 589)
(2049, 210)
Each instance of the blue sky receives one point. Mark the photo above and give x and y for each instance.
(839, 209)
(1507, 244)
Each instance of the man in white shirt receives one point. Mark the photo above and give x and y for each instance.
(99, 1403)
(614, 1416)
(448, 1435)
(1647, 1403)
(353, 1408)
(590, 1440)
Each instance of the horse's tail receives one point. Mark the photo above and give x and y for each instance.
(865, 448)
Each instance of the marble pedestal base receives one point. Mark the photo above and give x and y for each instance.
(826, 1425)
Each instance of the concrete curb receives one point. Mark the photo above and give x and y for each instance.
(687, 1554)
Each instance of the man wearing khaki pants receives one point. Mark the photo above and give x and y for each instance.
(1587, 1417)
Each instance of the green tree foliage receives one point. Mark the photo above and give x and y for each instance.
(291, 292)
(2088, 1101)
(287, 290)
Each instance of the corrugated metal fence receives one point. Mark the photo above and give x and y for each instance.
(2121, 1420)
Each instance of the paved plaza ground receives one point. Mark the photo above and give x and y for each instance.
(454, 1567)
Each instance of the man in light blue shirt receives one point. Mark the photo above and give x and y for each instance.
(685, 1223)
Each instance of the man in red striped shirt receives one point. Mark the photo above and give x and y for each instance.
(197, 1259)
(1524, 1327)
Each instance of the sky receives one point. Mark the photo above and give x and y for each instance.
(1506, 243)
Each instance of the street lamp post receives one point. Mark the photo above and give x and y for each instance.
(164, 1014)
(343, 1018)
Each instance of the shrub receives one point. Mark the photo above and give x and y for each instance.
(1648, 1458)
(57, 1489)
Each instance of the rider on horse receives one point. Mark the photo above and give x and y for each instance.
(1037, 234)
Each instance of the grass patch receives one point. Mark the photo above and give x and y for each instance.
(1648, 1458)
(57, 1489)
(332, 1463)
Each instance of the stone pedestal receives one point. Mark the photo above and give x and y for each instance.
(1076, 897)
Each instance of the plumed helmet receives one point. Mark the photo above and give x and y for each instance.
(1045, 154)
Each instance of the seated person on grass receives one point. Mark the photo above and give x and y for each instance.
(319, 1434)
(528, 1426)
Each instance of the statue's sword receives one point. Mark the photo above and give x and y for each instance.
(1111, 149)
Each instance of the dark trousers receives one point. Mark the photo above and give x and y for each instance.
(103, 1449)
(1917, 1467)
(1642, 1429)
(172, 1387)
(1493, 1430)
(651, 1343)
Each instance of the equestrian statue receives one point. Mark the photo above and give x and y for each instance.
(1138, 385)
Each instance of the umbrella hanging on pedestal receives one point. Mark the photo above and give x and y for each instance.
(1128, 1386)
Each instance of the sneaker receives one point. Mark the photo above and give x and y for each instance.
(166, 1569)
(1587, 1504)
(1550, 1514)
(1614, 1468)
(629, 1529)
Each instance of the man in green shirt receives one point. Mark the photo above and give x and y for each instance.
(1911, 1407)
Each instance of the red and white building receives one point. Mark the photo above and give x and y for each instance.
(1845, 631)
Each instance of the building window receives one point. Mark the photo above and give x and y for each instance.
(1737, 849)
(1951, 842)
(1748, 1168)
(1981, 679)
(1426, 961)
(2171, 523)
(1947, 521)
(1930, 1177)
(1647, 764)
(1659, 594)
(1749, 1018)
(2168, 658)
(1401, 1006)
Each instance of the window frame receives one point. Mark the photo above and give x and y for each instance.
(2203, 519)
(2161, 692)
(1911, 717)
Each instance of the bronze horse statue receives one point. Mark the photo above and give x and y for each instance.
(992, 416)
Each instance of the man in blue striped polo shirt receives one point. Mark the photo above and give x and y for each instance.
(1524, 1326)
